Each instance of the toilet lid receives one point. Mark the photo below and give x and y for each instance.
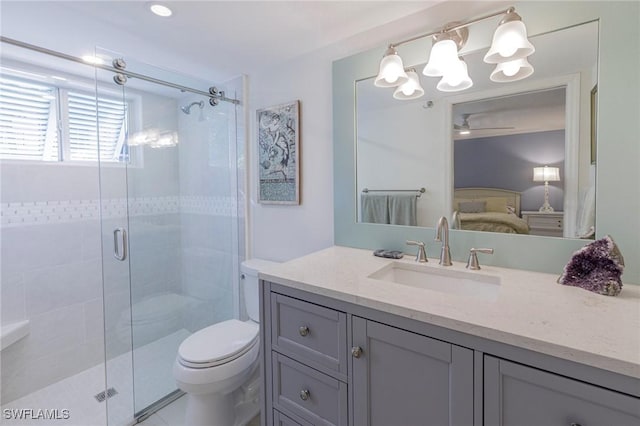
(218, 343)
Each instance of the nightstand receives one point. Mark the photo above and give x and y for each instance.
(544, 223)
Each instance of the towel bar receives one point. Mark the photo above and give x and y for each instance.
(421, 190)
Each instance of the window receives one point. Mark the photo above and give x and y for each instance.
(48, 123)
(28, 120)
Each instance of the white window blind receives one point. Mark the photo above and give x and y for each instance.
(43, 122)
(91, 130)
(28, 120)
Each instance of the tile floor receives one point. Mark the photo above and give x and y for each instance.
(76, 393)
(173, 415)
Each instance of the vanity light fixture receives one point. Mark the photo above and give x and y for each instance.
(510, 40)
(411, 89)
(509, 49)
(515, 70)
(444, 52)
(546, 174)
(456, 79)
(391, 73)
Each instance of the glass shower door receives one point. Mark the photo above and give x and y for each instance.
(111, 110)
(170, 229)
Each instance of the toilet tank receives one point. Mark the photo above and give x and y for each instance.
(251, 290)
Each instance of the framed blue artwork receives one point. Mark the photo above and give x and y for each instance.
(278, 153)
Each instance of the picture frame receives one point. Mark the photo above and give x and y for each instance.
(278, 134)
(594, 122)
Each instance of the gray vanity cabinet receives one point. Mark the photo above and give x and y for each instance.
(328, 366)
(403, 378)
(515, 394)
(329, 362)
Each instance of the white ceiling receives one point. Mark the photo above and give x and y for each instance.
(219, 39)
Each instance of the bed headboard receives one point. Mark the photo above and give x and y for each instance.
(513, 197)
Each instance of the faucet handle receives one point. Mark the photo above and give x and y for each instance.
(473, 263)
(421, 256)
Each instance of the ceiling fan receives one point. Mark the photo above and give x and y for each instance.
(465, 128)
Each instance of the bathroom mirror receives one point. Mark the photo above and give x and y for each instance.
(617, 130)
(489, 138)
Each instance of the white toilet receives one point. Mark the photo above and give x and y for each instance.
(217, 366)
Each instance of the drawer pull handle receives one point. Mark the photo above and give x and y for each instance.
(304, 394)
(575, 424)
(304, 330)
(356, 351)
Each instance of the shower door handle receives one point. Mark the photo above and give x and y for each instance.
(120, 255)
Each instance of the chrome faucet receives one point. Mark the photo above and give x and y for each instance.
(443, 236)
(473, 263)
(421, 256)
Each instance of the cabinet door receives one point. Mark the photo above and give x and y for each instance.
(403, 378)
(518, 395)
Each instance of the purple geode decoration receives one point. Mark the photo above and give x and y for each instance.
(596, 267)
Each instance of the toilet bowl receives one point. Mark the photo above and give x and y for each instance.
(217, 367)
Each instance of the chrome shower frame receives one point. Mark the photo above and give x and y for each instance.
(118, 68)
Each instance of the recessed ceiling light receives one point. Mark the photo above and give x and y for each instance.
(160, 10)
(92, 59)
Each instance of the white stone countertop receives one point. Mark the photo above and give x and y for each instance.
(531, 310)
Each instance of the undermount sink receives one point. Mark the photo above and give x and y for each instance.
(466, 283)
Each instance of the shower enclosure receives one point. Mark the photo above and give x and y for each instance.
(122, 228)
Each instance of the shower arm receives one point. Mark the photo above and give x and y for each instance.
(213, 94)
(187, 108)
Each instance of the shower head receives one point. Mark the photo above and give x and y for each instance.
(187, 108)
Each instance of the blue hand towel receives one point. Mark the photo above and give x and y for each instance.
(374, 208)
(402, 209)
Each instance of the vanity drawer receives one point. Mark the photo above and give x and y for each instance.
(280, 419)
(314, 334)
(308, 393)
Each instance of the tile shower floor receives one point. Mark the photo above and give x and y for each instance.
(76, 393)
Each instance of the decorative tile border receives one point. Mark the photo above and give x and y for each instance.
(48, 212)
(216, 206)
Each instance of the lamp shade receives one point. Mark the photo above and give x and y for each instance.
(509, 43)
(412, 89)
(506, 72)
(546, 174)
(456, 79)
(443, 56)
(391, 73)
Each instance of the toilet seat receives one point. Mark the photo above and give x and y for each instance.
(231, 339)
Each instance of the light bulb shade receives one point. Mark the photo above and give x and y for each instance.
(411, 89)
(511, 71)
(442, 57)
(546, 174)
(456, 79)
(509, 43)
(391, 73)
